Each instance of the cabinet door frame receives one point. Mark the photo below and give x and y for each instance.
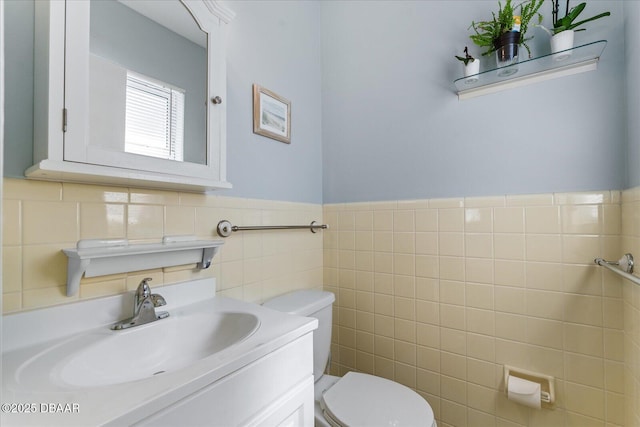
(62, 150)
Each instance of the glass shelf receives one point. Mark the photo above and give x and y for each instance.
(571, 61)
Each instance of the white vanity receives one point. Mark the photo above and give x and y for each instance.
(131, 93)
(214, 361)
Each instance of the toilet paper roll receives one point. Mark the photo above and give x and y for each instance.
(524, 392)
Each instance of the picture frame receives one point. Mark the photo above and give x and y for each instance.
(271, 115)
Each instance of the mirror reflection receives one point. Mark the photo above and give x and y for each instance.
(148, 79)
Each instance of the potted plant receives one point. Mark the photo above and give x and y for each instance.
(507, 30)
(564, 28)
(470, 64)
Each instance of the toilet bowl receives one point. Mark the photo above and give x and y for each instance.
(356, 399)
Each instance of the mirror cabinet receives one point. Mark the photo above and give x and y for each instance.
(131, 93)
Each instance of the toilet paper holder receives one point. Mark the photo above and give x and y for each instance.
(547, 389)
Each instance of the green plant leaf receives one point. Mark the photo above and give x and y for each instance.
(573, 13)
(593, 18)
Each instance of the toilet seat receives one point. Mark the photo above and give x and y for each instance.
(365, 400)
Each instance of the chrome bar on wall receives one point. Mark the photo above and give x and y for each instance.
(225, 228)
(626, 267)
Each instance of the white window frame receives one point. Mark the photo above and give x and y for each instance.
(161, 135)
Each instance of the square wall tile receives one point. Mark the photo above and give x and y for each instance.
(404, 243)
(25, 189)
(544, 276)
(383, 221)
(584, 370)
(11, 302)
(383, 241)
(478, 245)
(510, 299)
(509, 273)
(179, 220)
(404, 221)
(585, 400)
(44, 266)
(542, 219)
(451, 220)
(11, 222)
(11, 269)
(363, 241)
(426, 220)
(478, 220)
(579, 249)
(479, 295)
(582, 219)
(72, 192)
(544, 247)
(451, 244)
(508, 220)
(363, 221)
(39, 216)
(102, 288)
(145, 222)
(479, 270)
(153, 197)
(509, 246)
(102, 221)
(45, 297)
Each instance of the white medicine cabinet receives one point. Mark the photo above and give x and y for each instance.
(131, 92)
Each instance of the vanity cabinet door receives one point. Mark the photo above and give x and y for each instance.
(275, 390)
(124, 92)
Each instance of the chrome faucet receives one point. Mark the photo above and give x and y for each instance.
(144, 307)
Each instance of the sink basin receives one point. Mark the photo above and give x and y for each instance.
(105, 357)
(210, 346)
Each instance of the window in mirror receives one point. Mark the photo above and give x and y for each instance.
(154, 119)
(162, 42)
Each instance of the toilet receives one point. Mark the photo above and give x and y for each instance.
(355, 399)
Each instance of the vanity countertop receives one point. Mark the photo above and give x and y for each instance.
(39, 399)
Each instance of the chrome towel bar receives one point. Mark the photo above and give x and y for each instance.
(625, 267)
(225, 228)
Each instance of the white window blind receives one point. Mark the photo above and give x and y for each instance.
(154, 118)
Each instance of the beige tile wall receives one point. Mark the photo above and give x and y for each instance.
(41, 218)
(440, 294)
(631, 293)
(436, 294)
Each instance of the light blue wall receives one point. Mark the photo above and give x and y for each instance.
(632, 58)
(18, 74)
(394, 129)
(274, 44)
(374, 116)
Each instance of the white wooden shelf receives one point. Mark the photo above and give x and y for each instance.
(96, 257)
(567, 62)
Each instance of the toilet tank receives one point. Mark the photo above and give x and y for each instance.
(310, 303)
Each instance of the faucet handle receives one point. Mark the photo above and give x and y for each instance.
(158, 300)
(144, 290)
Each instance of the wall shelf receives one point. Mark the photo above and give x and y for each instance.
(567, 62)
(99, 257)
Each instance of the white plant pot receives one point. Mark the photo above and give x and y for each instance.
(560, 45)
(471, 69)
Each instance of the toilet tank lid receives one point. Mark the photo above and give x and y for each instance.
(302, 303)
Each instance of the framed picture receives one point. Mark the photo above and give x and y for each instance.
(271, 115)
